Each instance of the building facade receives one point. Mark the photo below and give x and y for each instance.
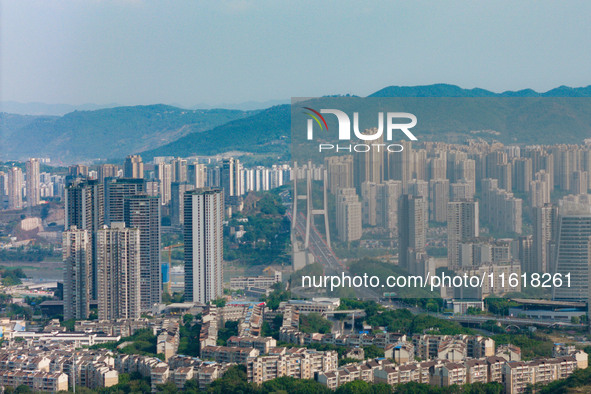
(203, 236)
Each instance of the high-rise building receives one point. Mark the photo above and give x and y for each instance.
(541, 160)
(420, 164)
(15, 188)
(462, 225)
(116, 189)
(84, 205)
(107, 171)
(417, 187)
(133, 167)
(438, 199)
(545, 222)
(212, 177)
(177, 201)
(501, 210)
(505, 172)
(466, 171)
(579, 183)
(540, 188)
(388, 194)
(77, 258)
(179, 167)
(197, 175)
(454, 159)
(3, 190)
(401, 164)
(461, 190)
(153, 188)
(522, 174)
(369, 203)
(33, 183)
(493, 160)
(340, 172)
(412, 228)
(203, 236)
(436, 168)
(78, 171)
(3, 184)
(164, 174)
(239, 179)
(526, 253)
(85, 209)
(349, 215)
(563, 166)
(143, 213)
(573, 254)
(369, 166)
(227, 175)
(118, 252)
(498, 167)
(276, 177)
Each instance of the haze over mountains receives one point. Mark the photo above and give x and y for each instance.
(104, 134)
(159, 130)
(445, 90)
(36, 108)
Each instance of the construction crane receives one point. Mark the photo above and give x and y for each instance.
(166, 267)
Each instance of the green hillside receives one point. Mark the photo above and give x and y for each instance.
(265, 132)
(106, 133)
(160, 130)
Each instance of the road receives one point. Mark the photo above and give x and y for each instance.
(507, 320)
(325, 256)
(481, 319)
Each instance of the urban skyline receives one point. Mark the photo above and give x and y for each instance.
(322, 197)
(441, 195)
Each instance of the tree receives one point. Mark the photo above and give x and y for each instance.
(189, 342)
(219, 302)
(188, 318)
(313, 323)
(5, 299)
(499, 306)
(354, 387)
(292, 385)
(230, 329)
(277, 296)
(176, 297)
(233, 381)
(347, 360)
(168, 388)
(373, 352)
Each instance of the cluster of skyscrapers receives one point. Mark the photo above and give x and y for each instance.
(168, 177)
(113, 218)
(111, 245)
(14, 184)
(513, 192)
(173, 176)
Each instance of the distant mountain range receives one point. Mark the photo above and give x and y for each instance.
(104, 134)
(13, 107)
(445, 90)
(161, 130)
(267, 132)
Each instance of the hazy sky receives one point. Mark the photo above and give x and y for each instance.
(195, 51)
